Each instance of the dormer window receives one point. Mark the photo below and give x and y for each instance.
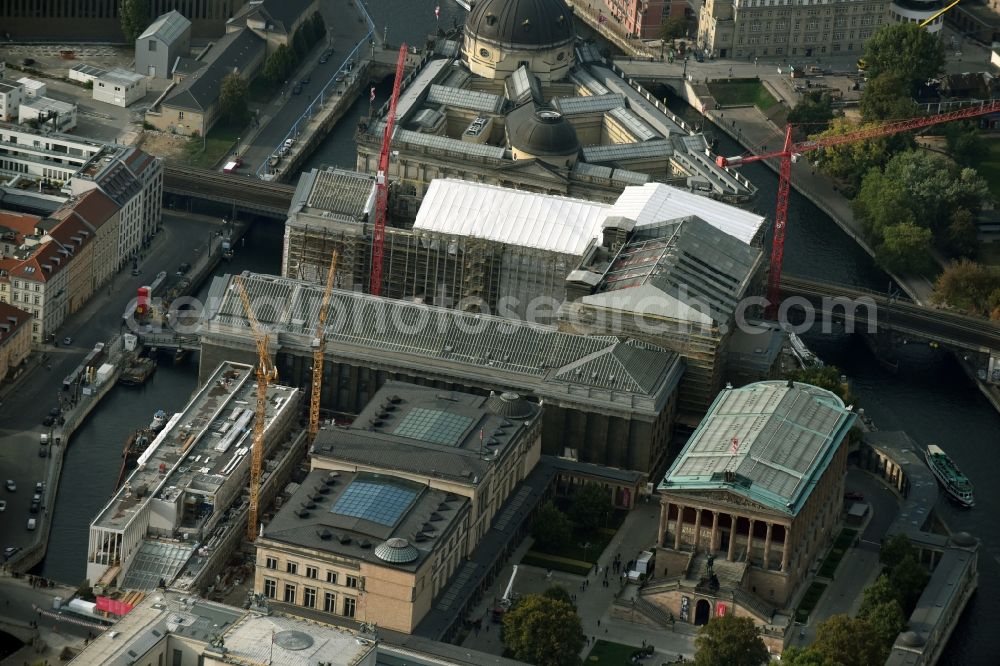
(491, 19)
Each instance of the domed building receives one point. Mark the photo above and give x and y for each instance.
(502, 35)
(542, 134)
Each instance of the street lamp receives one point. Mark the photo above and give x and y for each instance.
(237, 146)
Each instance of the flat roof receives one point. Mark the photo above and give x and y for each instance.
(48, 104)
(768, 441)
(428, 431)
(199, 447)
(343, 193)
(119, 75)
(355, 514)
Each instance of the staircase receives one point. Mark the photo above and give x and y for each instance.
(654, 613)
(764, 610)
(730, 574)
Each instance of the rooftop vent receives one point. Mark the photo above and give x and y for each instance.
(436, 517)
(444, 506)
(365, 543)
(309, 506)
(420, 537)
(395, 400)
(324, 534)
(345, 539)
(377, 423)
(302, 513)
(322, 490)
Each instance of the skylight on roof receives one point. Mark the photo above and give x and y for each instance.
(381, 502)
(434, 426)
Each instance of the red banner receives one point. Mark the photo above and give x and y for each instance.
(113, 606)
(720, 610)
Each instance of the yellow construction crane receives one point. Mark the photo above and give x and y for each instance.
(927, 21)
(266, 373)
(319, 348)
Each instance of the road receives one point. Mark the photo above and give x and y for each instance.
(345, 26)
(25, 405)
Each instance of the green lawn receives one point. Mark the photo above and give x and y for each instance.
(742, 91)
(585, 548)
(809, 601)
(546, 561)
(220, 141)
(606, 653)
(990, 167)
(840, 546)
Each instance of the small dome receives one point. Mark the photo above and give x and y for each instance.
(509, 405)
(541, 132)
(911, 639)
(963, 539)
(396, 551)
(532, 23)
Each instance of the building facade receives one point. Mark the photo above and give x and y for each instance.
(120, 87)
(102, 218)
(98, 20)
(15, 338)
(161, 44)
(749, 503)
(803, 28)
(10, 101)
(50, 115)
(51, 156)
(274, 21)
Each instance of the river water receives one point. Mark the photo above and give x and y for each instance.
(930, 397)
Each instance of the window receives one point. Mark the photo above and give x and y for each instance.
(330, 602)
(312, 572)
(178, 657)
(292, 567)
(331, 577)
(350, 581)
(180, 115)
(271, 563)
(349, 606)
(309, 597)
(152, 45)
(270, 588)
(289, 593)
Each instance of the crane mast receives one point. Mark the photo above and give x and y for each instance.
(266, 373)
(319, 349)
(790, 152)
(382, 178)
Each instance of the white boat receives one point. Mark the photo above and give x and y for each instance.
(803, 354)
(159, 420)
(956, 484)
(464, 4)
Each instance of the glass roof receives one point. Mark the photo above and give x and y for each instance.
(434, 426)
(380, 502)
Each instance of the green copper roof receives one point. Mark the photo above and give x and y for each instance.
(769, 442)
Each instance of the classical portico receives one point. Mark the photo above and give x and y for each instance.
(756, 492)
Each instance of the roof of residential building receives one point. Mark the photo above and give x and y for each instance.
(426, 431)
(200, 89)
(770, 442)
(94, 207)
(42, 265)
(187, 66)
(11, 319)
(18, 224)
(280, 15)
(167, 28)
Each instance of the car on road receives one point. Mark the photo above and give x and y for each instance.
(49, 421)
(183, 268)
(3, 505)
(35, 506)
(340, 78)
(67, 341)
(43, 451)
(31, 523)
(28, 62)
(136, 271)
(854, 496)
(305, 80)
(9, 551)
(39, 487)
(323, 59)
(297, 90)
(11, 486)
(55, 411)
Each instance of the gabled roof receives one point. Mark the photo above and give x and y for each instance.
(769, 442)
(94, 207)
(21, 224)
(626, 365)
(11, 319)
(42, 265)
(281, 15)
(200, 89)
(167, 28)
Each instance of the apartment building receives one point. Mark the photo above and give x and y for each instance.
(10, 100)
(15, 339)
(102, 217)
(52, 156)
(804, 28)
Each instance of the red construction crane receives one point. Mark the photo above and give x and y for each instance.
(382, 178)
(790, 152)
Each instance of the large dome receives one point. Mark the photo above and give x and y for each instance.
(540, 23)
(541, 132)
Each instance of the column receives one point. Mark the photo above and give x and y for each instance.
(733, 519)
(677, 529)
(715, 532)
(767, 546)
(664, 512)
(697, 528)
(785, 548)
(750, 540)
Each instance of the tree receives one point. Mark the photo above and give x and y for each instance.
(814, 109)
(907, 50)
(233, 99)
(849, 641)
(963, 237)
(894, 550)
(590, 507)
(730, 641)
(133, 16)
(849, 162)
(300, 43)
(909, 578)
(969, 286)
(543, 631)
(823, 376)
(810, 656)
(558, 593)
(674, 28)
(934, 187)
(887, 97)
(318, 27)
(905, 248)
(279, 65)
(881, 203)
(886, 620)
(965, 143)
(551, 527)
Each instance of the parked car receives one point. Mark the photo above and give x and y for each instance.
(28, 62)
(297, 90)
(305, 80)
(854, 496)
(39, 487)
(43, 451)
(67, 341)
(32, 523)
(3, 505)
(183, 268)
(11, 486)
(49, 421)
(35, 507)
(136, 271)
(55, 411)
(9, 551)
(323, 60)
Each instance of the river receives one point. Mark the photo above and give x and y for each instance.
(930, 397)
